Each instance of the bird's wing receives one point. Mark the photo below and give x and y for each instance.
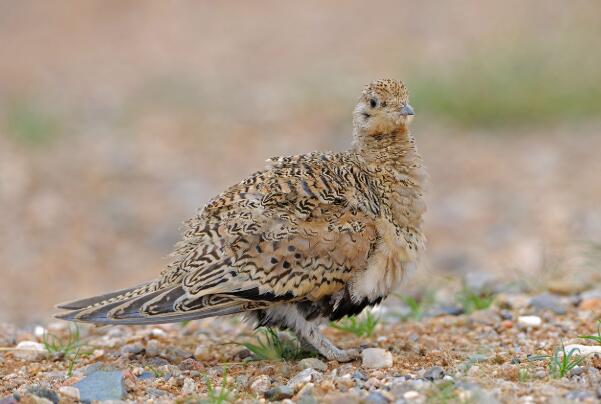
(297, 230)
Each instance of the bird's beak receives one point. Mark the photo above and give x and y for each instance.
(407, 110)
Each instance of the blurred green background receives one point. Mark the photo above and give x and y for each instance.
(118, 119)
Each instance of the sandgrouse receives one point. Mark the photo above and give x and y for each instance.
(309, 238)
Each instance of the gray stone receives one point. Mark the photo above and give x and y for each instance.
(146, 375)
(445, 310)
(591, 294)
(577, 371)
(152, 392)
(176, 354)
(434, 373)
(133, 349)
(43, 392)
(599, 392)
(547, 301)
(102, 385)
(375, 397)
(579, 395)
(279, 393)
(156, 362)
(357, 375)
(95, 367)
(313, 363)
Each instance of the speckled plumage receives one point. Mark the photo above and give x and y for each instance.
(310, 237)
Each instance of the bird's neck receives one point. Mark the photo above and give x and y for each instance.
(395, 150)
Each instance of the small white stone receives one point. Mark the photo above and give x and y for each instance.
(583, 349)
(529, 321)
(97, 353)
(158, 333)
(39, 331)
(261, 384)
(306, 376)
(411, 395)
(69, 391)
(30, 351)
(376, 358)
(189, 386)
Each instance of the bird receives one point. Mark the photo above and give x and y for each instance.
(308, 239)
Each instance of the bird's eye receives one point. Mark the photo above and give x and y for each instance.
(373, 102)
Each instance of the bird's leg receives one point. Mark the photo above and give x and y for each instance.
(310, 334)
(306, 345)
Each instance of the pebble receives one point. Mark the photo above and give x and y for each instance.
(313, 363)
(146, 375)
(529, 321)
(376, 358)
(593, 304)
(547, 301)
(376, 397)
(176, 354)
(133, 349)
(157, 362)
(591, 294)
(577, 371)
(567, 286)
(357, 375)
(69, 391)
(579, 395)
(473, 371)
(444, 310)
(44, 393)
(201, 353)
(102, 385)
(486, 317)
(30, 351)
(306, 395)
(279, 393)
(584, 349)
(411, 395)
(152, 392)
(261, 384)
(189, 386)
(191, 364)
(434, 373)
(512, 300)
(306, 376)
(152, 348)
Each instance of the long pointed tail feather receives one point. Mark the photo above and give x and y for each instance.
(90, 301)
(147, 306)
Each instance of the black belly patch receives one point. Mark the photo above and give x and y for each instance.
(325, 307)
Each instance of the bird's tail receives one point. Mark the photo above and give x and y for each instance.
(147, 304)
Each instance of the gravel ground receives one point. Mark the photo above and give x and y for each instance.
(440, 355)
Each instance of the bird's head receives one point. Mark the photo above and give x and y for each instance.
(383, 108)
